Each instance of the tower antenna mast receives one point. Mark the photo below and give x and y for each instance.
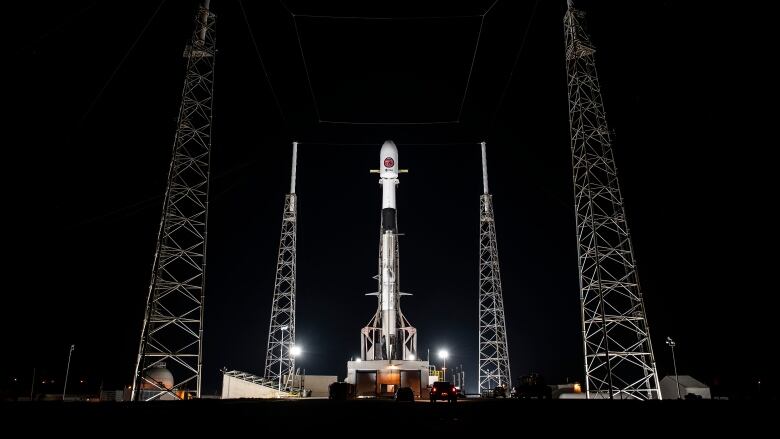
(279, 358)
(494, 368)
(172, 331)
(619, 361)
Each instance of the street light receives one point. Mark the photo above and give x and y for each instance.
(65, 386)
(281, 355)
(443, 354)
(671, 344)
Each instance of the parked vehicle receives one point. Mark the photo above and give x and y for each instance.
(404, 394)
(443, 390)
(341, 391)
(531, 386)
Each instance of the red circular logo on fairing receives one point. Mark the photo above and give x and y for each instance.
(389, 162)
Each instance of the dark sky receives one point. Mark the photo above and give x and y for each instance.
(94, 94)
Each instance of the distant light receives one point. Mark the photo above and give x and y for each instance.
(295, 351)
(411, 357)
(359, 360)
(284, 328)
(81, 381)
(577, 388)
(443, 354)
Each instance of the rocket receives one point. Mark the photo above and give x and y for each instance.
(388, 247)
(389, 335)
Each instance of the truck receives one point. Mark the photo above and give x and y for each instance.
(531, 386)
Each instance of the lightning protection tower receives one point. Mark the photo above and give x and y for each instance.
(493, 350)
(279, 358)
(170, 351)
(619, 360)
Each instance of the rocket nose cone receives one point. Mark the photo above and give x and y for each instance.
(388, 157)
(389, 148)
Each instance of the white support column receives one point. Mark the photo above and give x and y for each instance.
(294, 167)
(484, 168)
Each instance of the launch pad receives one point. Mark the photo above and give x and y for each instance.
(388, 351)
(379, 378)
(619, 360)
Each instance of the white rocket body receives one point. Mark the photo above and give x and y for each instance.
(388, 336)
(388, 252)
(388, 293)
(388, 173)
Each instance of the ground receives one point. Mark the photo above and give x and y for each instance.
(319, 417)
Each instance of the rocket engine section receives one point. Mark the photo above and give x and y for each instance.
(388, 336)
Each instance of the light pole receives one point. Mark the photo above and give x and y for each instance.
(281, 355)
(443, 354)
(294, 352)
(32, 386)
(671, 344)
(65, 386)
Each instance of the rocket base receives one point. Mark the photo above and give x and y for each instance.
(381, 378)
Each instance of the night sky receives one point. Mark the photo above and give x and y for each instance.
(93, 97)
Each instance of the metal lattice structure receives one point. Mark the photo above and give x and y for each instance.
(172, 331)
(493, 350)
(619, 361)
(279, 358)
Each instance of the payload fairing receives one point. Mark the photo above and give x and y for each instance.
(388, 336)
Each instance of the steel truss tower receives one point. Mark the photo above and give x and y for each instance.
(172, 333)
(619, 361)
(279, 358)
(493, 350)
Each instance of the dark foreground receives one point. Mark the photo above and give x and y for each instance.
(318, 417)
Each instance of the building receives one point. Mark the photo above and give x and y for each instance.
(374, 378)
(688, 386)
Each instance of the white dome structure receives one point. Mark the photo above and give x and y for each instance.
(160, 375)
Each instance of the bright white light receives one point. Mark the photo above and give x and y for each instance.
(411, 357)
(284, 328)
(295, 351)
(359, 360)
(443, 354)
